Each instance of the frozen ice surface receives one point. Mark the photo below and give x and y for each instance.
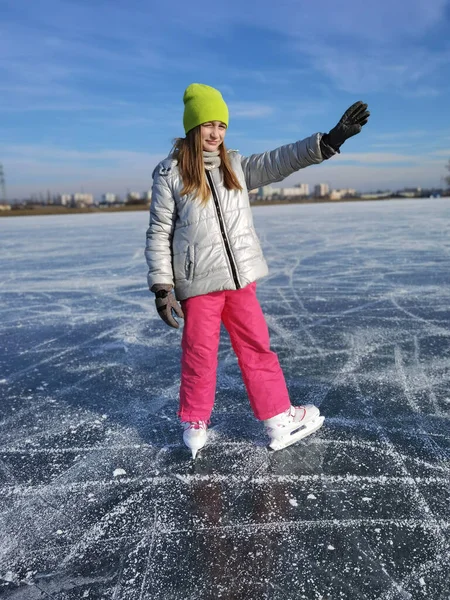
(358, 305)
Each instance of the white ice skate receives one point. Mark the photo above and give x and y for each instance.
(292, 425)
(194, 435)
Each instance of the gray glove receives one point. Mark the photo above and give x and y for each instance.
(166, 303)
(350, 124)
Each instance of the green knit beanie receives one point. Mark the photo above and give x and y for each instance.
(203, 103)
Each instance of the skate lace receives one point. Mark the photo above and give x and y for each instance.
(290, 414)
(196, 425)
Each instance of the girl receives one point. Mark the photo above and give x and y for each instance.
(201, 243)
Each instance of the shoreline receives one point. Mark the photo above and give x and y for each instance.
(62, 210)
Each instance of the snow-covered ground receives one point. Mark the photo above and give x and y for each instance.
(99, 498)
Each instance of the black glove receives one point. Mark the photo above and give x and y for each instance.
(166, 303)
(350, 124)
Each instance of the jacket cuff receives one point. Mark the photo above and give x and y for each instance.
(326, 148)
(157, 287)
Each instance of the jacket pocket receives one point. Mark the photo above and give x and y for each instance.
(190, 263)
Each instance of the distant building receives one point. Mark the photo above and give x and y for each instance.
(286, 192)
(109, 198)
(321, 189)
(63, 200)
(265, 192)
(133, 196)
(5, 206)
(375, 195)
(81, 199)
(268, 192)
(136, 198)
(411, 192)
(344, 193)
(78, 199)
(147, 195)
(301, 189)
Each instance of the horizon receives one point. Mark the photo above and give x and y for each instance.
(92, 95)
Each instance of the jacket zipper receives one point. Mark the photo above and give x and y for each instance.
(222, 231)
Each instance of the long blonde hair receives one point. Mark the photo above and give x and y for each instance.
(188, 152)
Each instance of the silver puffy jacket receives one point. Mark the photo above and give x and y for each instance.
(201, 249)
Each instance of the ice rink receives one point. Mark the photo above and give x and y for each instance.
(101, 500)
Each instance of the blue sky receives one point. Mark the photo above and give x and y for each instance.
(91, 90)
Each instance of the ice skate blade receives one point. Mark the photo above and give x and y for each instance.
(309, 428)
(194, 445)
(194, 451)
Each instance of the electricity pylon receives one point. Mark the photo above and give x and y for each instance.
(2, 185)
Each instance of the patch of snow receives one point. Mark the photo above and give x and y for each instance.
(119, 472)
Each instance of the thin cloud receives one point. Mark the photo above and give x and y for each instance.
(34, 168)
(423, 92)
(250, 110)
(391, 145)
(269, 77)
(385, 158)
(370, 20)
(371, 178)
(54, 153)
(442, 152)
(417, 133)
(69, 105)
(373, 69)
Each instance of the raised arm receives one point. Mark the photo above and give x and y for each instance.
(269, 167)
(158, 249)
(276, 165)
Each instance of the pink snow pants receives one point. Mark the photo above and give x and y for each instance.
(241, 313)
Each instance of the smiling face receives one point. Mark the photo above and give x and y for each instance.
(213, 134)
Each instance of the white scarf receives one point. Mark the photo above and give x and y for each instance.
(211, 159)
